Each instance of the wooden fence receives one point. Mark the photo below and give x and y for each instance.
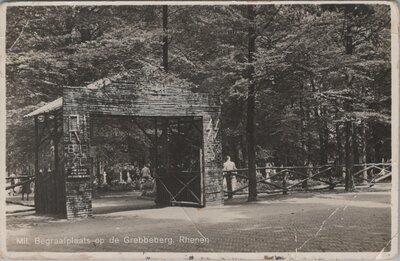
(49, 193)
(304, 178)
(270, 180)
(25, 178)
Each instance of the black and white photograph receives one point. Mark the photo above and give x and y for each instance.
(200, 130)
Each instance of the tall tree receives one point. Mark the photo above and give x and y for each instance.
(165, 36)
(302, 76)
(251, 96)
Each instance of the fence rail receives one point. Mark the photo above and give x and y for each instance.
(20, 183)
(304, 178)
(27, 179)
(272, 180)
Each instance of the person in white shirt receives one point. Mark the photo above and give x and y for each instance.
(147, 181)
(145, 172)
(230, 165)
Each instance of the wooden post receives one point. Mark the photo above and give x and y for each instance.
(155, 145)
(92, 159)
(166, 147)
(37, 182)
(157, 200)
(44, 191)
(304, 185)
(164, 179)
(201, 176)
(383, 167)
(284, 183)
(332, 174)
(56, 174)
(229, 185)
(45, 180)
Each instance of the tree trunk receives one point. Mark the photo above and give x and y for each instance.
(339, 145)
(326, 143)
(355, 145)
(165, 37)
(321, 146)
(243, 151)
(323, 140)
(251, 154)
(363, 156)
(235, 151)
(349, 51)
(349, 176)
(377, 145)
(341, 171)
(303, 138)
(355, 142)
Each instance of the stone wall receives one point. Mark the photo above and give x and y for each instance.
(77, 164)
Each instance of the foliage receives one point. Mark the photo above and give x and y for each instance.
(307, 84)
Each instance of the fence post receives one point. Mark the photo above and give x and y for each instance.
(304, 185)
(284, 183)
(39, 205)
(383, 167)
(36, 192)
(332, 173)
(229, 184)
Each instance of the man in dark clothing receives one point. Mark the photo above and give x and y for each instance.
(26, 188)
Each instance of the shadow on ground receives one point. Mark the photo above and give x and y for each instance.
(123, 201)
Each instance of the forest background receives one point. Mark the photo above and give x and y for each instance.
(299, 84)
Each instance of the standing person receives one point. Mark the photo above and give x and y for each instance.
(147, 180)
(135, 171)
(129, 173)
(107, 174)
(136, 175)
(26, 188)
(145, 172)
(230, 165)
(125, 173)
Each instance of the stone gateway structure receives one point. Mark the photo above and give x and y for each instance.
(68, 123)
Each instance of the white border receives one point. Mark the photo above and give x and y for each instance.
(102, 3)
(2, 130)
(163, 255)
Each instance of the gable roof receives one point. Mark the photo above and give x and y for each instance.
(152, 79)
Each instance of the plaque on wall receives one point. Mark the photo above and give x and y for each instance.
(78, 172)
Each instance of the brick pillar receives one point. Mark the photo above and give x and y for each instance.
(213, 179)
(78, 198)
(77, 165)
